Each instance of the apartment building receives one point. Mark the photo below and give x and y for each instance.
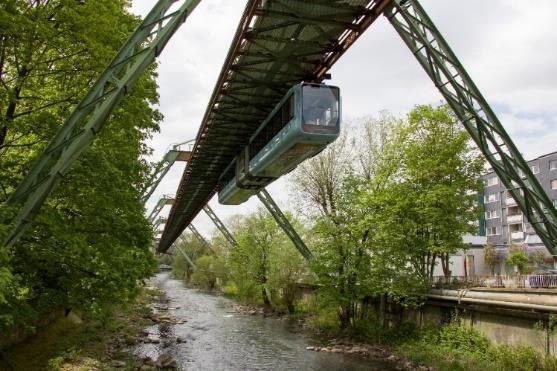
(504, 222)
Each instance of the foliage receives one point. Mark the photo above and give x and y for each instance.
(518, 258)
(386, 215)
(265, 266)
(89, 246)
(458, 346)
(490, 257)
(208, 270)
(539, 258)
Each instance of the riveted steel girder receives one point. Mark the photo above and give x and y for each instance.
(220, 225)
(447, 73)
(161, 169)
(200, 237)
(277, 44)
(163, 201)
(284, 223)
(89, 116)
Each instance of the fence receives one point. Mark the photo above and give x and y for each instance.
(533, 281)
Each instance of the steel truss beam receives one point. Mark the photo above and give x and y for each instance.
(163, 201)
(434, 54)
(175, 154)
(284, 223)
(90, 115)
(220, 225)
(277, 43)
(188, 259)
(200, 238)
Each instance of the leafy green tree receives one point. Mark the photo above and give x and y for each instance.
(90, 245)
(431, 197)
(518, 258)
(208, 270)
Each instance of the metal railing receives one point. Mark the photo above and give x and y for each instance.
(533, 281)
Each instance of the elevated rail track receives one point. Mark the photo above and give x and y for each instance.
(277, 44)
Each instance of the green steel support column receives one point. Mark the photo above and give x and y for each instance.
(159, 222)
(90, 115)
(190, 262)
(200, 238)
(164, 200)
(434, 54)
(220, 225)
(175, 154)
(283, 222)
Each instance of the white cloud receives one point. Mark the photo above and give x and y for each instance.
(507, 46)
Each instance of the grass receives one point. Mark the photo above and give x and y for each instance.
(460, 347)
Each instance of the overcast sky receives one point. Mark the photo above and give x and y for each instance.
(507, 46)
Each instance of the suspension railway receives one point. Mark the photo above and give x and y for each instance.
(277, 45)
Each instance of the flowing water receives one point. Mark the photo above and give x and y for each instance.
(216, 339)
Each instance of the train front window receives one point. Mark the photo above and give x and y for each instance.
(320, 106)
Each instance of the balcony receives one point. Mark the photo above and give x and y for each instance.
(510, 201)
(515, 236)
(513, 219)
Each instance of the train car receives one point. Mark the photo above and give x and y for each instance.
(304, 122)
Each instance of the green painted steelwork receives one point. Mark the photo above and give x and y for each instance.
(162, 167)
(90, 115)
(201, 239)
(277, 44)
(220, 225)
(188, 259)
(284, 223)
(163, 201)
(449, 76)
(160, 221)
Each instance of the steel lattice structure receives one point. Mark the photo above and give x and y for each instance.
(447, 73)
(90, 115)
(220, 225)
(284, 223)
(277, 44)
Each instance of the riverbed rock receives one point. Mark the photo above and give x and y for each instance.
(180, 340)
(165, 360)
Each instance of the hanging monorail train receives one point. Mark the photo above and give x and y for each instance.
(305, 121)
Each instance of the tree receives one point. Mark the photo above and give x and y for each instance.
(250, 260)
(432, 195)
(490, 257)
(518, 258)
(89, 246)
(332, 183)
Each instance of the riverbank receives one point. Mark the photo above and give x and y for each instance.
(453, 346)
(71, 343)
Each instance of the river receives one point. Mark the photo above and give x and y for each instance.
(216, 339)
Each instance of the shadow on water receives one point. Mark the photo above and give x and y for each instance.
(206, 336)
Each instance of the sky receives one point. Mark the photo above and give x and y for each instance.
(508, 48)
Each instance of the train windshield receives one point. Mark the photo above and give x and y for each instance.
(320, 105)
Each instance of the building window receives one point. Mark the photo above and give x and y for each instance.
(494, 197)
(553, 165)
(493, 231)
(535, 169)
(554, 184)
(492, 214)
(492, 181)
